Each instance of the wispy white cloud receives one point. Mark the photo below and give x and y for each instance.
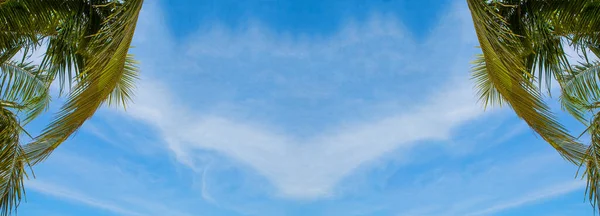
(311, 167)
(308, 167)
(205, 193)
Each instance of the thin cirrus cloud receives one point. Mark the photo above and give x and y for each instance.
(58, 191)
(118, 186)
(307, 167)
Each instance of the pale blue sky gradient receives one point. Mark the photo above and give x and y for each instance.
(283, 107)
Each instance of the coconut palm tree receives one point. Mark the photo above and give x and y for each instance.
(523, 44)
(86, 46)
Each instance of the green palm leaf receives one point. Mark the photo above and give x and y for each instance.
(506, 74)
(522, 42)
(87, 51)
(106, 75)
(23, 83)
(13, 163)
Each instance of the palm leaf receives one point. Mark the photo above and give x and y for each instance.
(583, 82)
(123, 91)
(104, 73)
(507, 75)
(88, 43)
(13, 163)
(580, 96)
(592, 162)
(23, 83)
(486, 90)
(519, 38)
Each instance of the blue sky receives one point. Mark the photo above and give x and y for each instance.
(273, 107)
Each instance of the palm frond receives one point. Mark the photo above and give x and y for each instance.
(575, 107)
(591, 162)
(542, 49)
(25, 84)
(522, 41)
(576, 19)
(88, 43)
(583, 82)
(13, 163)
(580, 90)
(124, 89)
(104, 71)
(487, 92)
(24, 23)
(507, 73)
(20, 81)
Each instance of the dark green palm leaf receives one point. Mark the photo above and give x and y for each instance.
(13, 163)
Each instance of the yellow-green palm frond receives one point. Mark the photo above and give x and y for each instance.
(106, 74)
(507, 74)
(487, 92)
(123, 91)
(87, 52)
(522, 42)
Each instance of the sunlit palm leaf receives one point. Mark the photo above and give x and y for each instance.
(520, 39)
(487, 92)
(87, 44)
(508, 76)
(123, 91)
(104, 71)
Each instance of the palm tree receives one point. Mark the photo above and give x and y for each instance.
(523, 44)
(87, 44)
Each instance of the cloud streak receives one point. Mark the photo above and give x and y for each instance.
(114, 185)
(552, 192)
(307, 168)
(64, 193)
(307, 165)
